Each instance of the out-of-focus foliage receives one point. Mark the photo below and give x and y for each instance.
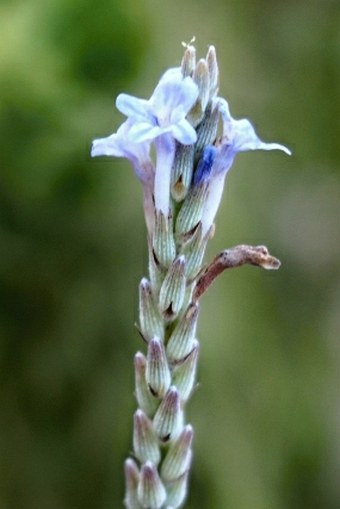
(266, 413)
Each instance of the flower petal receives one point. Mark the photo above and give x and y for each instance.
(224, 159)
(173, 98)
(165, 148)
(143, 131)
(106, 147)
(245, 138)
(213, 201)
(119, 145)
(241, 135)
(184, 132)
(223, 108)
(133, 106)
(174, 73)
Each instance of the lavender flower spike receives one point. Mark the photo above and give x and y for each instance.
(183, 188)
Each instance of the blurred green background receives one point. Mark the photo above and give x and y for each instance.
(267, 410)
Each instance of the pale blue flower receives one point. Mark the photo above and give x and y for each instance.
(162, 119)
(238, 136)
(164, 112)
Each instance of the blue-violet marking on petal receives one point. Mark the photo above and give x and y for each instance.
(205, 164)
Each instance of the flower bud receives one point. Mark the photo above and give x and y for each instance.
(184, 374)
(178, 458)
(163, 241)
(207, 130)
(132, 481)
(151, 492)
(188, 61)
(146, 401)
(145, 441)
(155, 272)
(169, 418)
(181, 175)
(181, 341)
(213, 71)
(150, 320)
(172, 291)
(191, 211)
(193, 251)
(157, 372)
(176, 492)
(202, 80)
